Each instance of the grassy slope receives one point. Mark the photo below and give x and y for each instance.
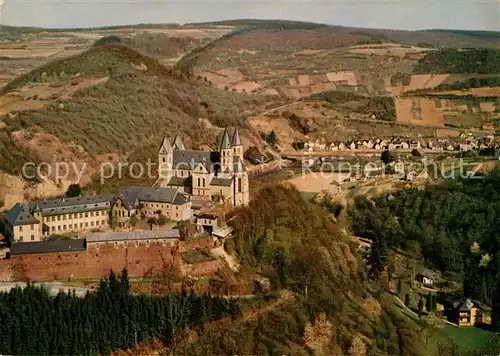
(467, 339)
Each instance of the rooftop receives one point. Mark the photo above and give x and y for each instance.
(22, 213)
(132, 196)
(49, 246)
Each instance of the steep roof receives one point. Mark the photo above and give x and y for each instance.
(133, 195)
(178, 144)
(49, 246)
(466, 305)
(20, 214)
(429, 273)
(165, 146)
(235, 141)
(225, 141)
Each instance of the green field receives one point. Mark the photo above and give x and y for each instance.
(469, 339)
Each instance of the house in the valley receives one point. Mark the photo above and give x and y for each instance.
(427, 277)
(414, 144)
(384, 144)
(417, 175)
(334, 188)
(394, 145)
(465, 146)
(467, 312)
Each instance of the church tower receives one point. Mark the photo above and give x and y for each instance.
(236, 144)
(165, 160)
(240, 183)
(226, 153)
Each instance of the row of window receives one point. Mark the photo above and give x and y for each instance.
(21, 227)
(74, 216)
(201, 180)
(75, 226)
(21, 239)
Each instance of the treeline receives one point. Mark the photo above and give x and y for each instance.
(455, 226)
(383, 107)
(471, 83)
(480, 61)
(34, 323)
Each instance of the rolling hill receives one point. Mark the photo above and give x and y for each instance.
(128, 104)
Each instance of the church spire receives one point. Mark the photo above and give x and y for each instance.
(225, 142)
(236, 137)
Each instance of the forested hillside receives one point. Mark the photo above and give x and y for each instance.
(34, 323)
(455, 225)
(297, 245)
(477, 61)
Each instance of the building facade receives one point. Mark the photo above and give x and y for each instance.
(146, 202)
(29, 222)
(206, 175)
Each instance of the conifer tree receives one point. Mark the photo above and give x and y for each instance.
(408, 300)
(125, 284)
(420, 306)
(428, 303)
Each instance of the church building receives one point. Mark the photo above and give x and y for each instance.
(206, 175)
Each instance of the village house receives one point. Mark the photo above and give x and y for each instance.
(334, 188)
(417, 175)
(208, 222)
(414, 144)
(488, 126)
(384, 144)
(206, 175)
(30, 222)
(469, 313)
(147, 202)
(394, 145)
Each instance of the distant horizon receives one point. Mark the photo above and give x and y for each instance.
(408, 15)
(132, 24)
